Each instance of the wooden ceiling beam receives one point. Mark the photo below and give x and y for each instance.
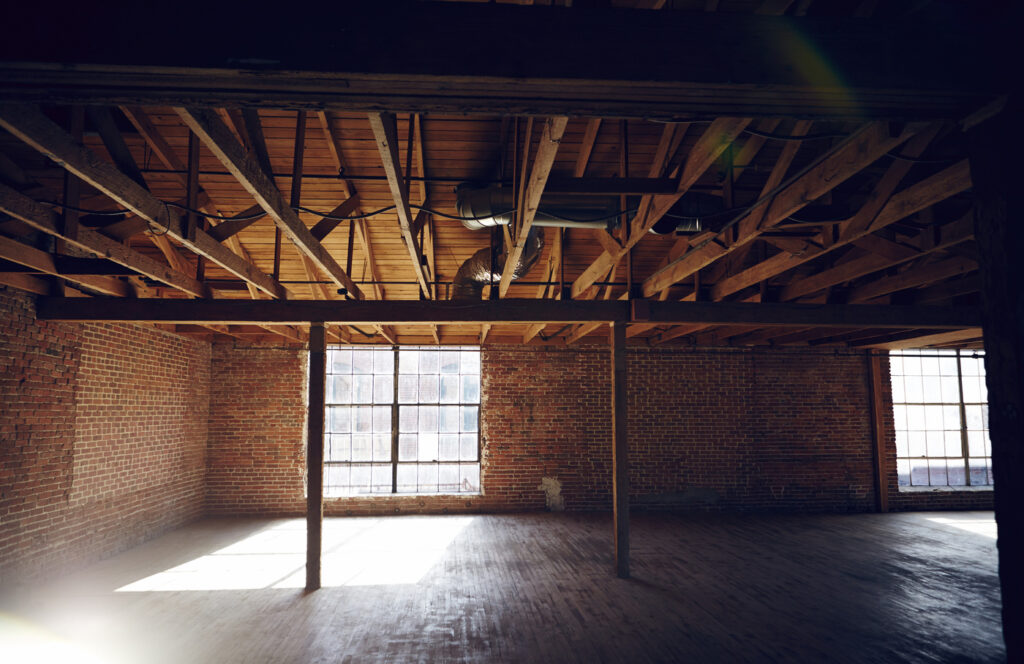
(34, 128)
(222, 143)
(385, 132)
(45, 263)
(550, 138)
(715, 139)
(509, 311)
(42, 218)
(831, 169)
(913, 278)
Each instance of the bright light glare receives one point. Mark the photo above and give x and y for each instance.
(356, 552)
(985, 527)
(21, 641)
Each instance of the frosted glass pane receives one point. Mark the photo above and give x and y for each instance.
(899, 416)
(381, 478)
(407, 447)
(895, 365)
(902, 446)
(930, 366)
(408, 361)
(384, 361)
(362, 361)
(936, 442)
(360, 481)
(954, 444)
(406, 478)
(381, 447)
(911, 365)
(937, 472)
(428, 419)
(339, 419)
(383, 388)
(427, 447)
(470, 389)
(979, 472)
(428, 361)
(339, 389)
(449, 419)
(956, 473)
(916, 440)
(919, 473)
(469, 477)
(914, 389)
(341, 361)
(337, 477)
(449, 361)
(470, 361)
(951, 389)
(933, 417)
(932, 389)
(470, 416)
(951, 418)
(407, 388)
(407, 419)
(362, 389)
(340, 447)
(363, 420)
(898, 391)
(468, 447)
(947, 366)
(428, 389)
(426, 478)
(915, 418)
(974, 418)
(971, 366)
(976, 443)
(382, 419)
(972, 389)
(448, 477)
(448, 449)
(449, 389)
(903, 472)
(362, 447)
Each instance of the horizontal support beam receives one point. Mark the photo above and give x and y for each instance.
(664, 63)
(407, 312)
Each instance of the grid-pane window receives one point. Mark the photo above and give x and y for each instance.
(402, 420)
(941, 418)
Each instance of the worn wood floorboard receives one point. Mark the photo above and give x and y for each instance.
(915, 587)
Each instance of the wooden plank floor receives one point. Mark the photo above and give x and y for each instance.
(916, 587)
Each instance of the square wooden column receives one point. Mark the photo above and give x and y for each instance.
(620, 451)
(999, 230)
(315, 453)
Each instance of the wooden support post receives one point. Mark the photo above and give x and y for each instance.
(620, 451)
(878, 433)
(1000, 238)
(315, 453)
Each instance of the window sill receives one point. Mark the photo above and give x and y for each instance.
(393, 496)
(944, 489)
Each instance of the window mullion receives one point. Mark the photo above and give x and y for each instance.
(394, 426)
(963, 420)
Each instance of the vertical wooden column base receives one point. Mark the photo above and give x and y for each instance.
(315, 453)
(620, 451)
(878, 433)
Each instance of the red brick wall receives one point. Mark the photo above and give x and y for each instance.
(256, 462)
(709, 428)
(102, 438)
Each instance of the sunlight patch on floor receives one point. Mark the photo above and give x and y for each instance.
(356, 552)
(986, 527)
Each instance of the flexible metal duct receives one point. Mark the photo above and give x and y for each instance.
(476, 272)
(484, 207)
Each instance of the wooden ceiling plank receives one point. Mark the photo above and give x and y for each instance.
(912, 278)
(229, 152)
(709, 146)
(385, 131)
(533, 189)
(32, 127)
(44, 219)
(925, 339)
(840, 163)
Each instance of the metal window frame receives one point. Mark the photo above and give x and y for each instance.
(962, 408)
(395, 405)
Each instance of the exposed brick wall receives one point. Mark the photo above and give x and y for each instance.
(102, 438)
(709, 429)
(256, 462)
